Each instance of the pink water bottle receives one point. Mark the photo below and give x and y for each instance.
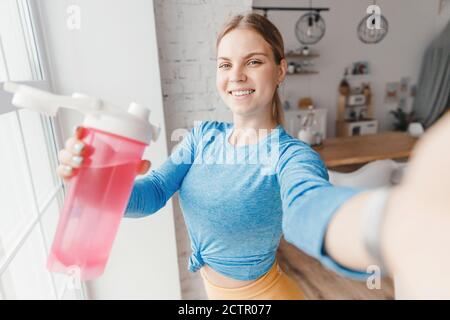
(98, 195)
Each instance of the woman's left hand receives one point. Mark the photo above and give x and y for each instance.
(416, 233)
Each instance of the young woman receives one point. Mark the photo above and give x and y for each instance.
(244, 184)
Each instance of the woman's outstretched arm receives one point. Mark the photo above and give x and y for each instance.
(150, 193)
(325, 221)
(310, 202)
(344, 239)
(414, 234)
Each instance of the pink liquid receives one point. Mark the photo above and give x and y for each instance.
(91, 216)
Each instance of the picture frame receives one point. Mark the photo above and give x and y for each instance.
(392, 92)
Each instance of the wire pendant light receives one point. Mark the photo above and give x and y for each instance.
(310, 28)
(373, 27)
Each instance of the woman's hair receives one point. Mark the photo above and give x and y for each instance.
(270, 33)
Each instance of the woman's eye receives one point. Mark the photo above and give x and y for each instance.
(227, 65)
(253, 62)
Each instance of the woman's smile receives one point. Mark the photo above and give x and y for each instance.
(242, 94)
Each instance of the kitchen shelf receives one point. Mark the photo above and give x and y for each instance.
(302, 56)
(302, 73)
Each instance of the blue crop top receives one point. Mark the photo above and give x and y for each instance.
(237, 201)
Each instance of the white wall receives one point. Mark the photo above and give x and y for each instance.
(187, 32)
(412, 25)
(114, 56)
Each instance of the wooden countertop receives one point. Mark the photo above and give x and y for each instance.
(362, 149)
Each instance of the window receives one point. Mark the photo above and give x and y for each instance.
(31, 194)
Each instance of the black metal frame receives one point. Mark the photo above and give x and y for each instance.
(265, 9)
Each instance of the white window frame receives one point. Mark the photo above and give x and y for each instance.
(38, 59)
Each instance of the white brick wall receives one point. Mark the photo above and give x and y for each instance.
(186, 33)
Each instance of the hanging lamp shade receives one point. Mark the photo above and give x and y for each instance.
(310, 28)
(368, 31)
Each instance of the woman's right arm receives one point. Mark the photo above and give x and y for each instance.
(150, 193)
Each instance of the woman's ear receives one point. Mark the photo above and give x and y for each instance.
(282, 70)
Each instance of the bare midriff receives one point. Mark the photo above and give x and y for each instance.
(223, 281)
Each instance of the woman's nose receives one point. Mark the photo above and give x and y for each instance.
(238, 75)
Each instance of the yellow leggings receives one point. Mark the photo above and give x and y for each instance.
(274, 285)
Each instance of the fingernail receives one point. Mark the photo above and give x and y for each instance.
(77, 160)
(67, 169)
(78, 130)
(78, 147)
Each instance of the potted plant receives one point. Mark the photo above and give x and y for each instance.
(403, 119)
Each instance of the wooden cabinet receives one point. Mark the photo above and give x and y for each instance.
(361, 104)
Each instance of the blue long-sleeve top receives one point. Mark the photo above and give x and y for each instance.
(237, 201)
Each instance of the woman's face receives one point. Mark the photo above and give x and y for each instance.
(247, 75)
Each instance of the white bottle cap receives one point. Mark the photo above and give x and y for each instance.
(138, 110)
(133, 124)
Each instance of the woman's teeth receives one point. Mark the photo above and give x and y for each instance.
(242, 93)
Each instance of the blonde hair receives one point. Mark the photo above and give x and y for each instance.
(272, 36)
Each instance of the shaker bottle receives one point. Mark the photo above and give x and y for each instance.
(98, 195)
